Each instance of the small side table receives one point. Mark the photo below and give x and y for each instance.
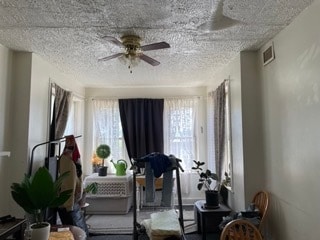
(208, 220)
(15, 228)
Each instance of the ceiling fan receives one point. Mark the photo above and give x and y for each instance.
(133, 49)
(218, 20)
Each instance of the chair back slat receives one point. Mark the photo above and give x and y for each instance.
(261, 200)
(240, 229)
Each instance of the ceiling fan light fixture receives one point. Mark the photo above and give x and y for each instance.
(130, 61)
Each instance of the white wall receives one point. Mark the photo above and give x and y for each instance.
(291, 117)
(253, 164)
(5, 119)
(24, 109)
(275, 111)
(19, 130)
(42, 74)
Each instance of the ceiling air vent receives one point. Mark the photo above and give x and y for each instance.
(268, 54)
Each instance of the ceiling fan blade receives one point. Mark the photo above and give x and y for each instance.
(148, 59)
(213, 25)
(110, 57)
(155, 46)
(113, 40)
(218, 21)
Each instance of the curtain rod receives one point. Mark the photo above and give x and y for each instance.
(226, 81)
(53, 84)
(116, 98)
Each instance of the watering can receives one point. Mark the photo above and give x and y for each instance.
(120, 166)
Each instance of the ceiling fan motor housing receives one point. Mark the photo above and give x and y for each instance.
(132, 44)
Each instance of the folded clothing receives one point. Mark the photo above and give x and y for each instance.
(162, 225)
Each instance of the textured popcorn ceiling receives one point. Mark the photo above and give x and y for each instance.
(67, 33)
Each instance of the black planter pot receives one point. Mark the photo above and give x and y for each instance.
(95, 169)
(212, 198)
(102, 171)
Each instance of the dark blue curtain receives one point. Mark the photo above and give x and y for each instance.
(142, 124)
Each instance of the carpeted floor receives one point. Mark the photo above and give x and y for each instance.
(123, 224)
(120, 227)
(193, 236)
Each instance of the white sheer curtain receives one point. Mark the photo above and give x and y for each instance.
(180, 137)
(107, 129)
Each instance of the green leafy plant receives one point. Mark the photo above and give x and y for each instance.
(206, 177)
(103, 151)
(91, 188)
(38, 192)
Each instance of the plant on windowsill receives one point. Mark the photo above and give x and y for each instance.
(96, 163)
(38, 192)
(103, 151)
(205, 181)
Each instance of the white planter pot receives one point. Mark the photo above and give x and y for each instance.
(40, 232)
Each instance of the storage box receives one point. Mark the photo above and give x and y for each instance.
(114, 194)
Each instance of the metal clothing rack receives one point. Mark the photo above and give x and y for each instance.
(55, 141)
(52, 164)
(176, 168)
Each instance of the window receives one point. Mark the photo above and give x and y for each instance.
(179, 129)
(107, 127)
(75, 124)
(228, 153)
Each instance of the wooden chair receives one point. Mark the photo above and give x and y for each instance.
(261, 200)
(240, 229)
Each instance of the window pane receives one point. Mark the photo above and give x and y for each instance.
(107, 127)
(180, 134)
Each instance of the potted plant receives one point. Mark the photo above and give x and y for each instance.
(90, 188)
(96, 162)
(35, 194)
(205, 181)
(103, 151)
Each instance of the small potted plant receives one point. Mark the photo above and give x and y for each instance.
(96, 162)
(35, 194)
(103, 151)
(205, 181)
(90, 188)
